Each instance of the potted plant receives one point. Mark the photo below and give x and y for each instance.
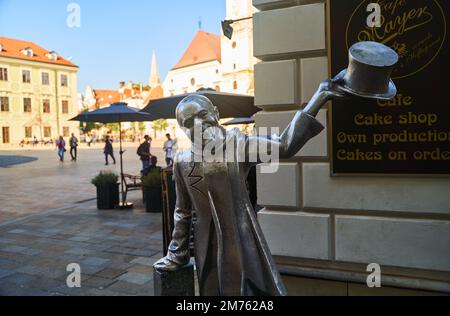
(152, 191)
(107, 190)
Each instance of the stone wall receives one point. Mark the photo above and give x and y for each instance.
(337, 224)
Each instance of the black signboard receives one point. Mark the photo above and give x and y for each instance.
(411, 133)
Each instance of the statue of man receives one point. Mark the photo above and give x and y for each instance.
(231, 254)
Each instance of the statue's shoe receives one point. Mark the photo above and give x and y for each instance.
(166, 265)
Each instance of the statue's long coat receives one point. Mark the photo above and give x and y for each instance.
(231, 254)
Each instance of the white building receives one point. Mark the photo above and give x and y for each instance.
(214, 61)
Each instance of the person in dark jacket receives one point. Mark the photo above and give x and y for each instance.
(109, 151)
(144, 153)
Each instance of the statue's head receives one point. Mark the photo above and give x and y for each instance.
(196, 112)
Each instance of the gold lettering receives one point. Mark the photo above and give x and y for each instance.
(399, 100)
(398, 25)
(436, 154)
(428, 119)
(359, 155)
(372, 120)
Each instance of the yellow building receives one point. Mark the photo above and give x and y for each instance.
(38, 93)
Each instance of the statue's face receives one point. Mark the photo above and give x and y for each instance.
(197, 114)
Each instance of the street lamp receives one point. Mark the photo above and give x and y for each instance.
(228, 29)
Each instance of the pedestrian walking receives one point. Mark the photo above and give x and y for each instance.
(73, 142)
(88, 140)
(143, 152)
(108, 150)
(61, 146)
(169, 149)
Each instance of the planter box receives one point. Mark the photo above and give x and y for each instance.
(107, 196)
(153, 199)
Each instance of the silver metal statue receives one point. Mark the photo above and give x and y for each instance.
(231, 254)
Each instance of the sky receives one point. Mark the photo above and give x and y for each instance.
(116, 38)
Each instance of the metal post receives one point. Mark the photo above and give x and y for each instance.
(123, 205)
(121, 162)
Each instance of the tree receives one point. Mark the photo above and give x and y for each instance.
(114, 127)
(87, 127)
(160, 125)
(141, 127)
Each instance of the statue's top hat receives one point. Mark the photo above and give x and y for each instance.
(369, 71)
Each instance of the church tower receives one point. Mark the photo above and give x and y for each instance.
(237, 54)
(154, 80)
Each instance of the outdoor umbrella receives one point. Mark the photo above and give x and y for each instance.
(116, 113)
(229, 105)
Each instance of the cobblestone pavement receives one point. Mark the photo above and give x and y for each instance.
(49, 219)
(46, 183)
(115, 249)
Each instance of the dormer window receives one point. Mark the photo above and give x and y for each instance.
(1, 48)
(52, 55)
(28, 52)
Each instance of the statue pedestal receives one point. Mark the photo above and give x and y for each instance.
(178, 283)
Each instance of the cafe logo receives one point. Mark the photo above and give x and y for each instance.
(415, 29)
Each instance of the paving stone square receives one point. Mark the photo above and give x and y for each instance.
(41, 236)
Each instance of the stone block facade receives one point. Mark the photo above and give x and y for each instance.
(315, 222)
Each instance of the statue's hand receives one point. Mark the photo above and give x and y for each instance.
(166, 265)
(332, 88)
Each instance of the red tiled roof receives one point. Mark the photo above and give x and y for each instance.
(204, 47)
(12, 48)
(106, 97)
(156, 93)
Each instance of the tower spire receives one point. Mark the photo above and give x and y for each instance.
(154, 80)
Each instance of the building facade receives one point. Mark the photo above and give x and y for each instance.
(325, 230)
(215, 61)
(38, 93)
(237, 53)
(200, 67)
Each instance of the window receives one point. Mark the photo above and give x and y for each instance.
(52, 56)
(64, 82)
(45, 79)
(235, 85)
(217, 88)
(26, 76)
(3, 74)
(28, 131)
(47, 131)
(65, 107)
(28, 52)
(192, 81)
(27, 105)
(234, 45)
(46, 106)
(5, 133)
(4, 103)
(66, 132)
(234, 66)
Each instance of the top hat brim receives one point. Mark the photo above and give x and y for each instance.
(388, 95)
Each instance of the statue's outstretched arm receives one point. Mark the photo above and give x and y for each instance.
(302, 128)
